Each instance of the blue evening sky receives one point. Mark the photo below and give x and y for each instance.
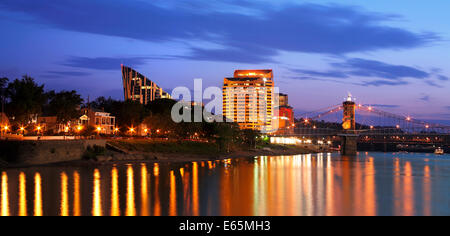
(391, 53)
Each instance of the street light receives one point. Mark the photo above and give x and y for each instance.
(38, 128)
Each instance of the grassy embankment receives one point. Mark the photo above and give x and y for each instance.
(170, 147)
(200, 148)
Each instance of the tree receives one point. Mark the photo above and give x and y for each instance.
(26, 100)
(3, 83)
(65, 105)
(129, 113)
(109, 105)
(159, 117)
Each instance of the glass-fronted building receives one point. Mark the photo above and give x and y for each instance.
(139, 88)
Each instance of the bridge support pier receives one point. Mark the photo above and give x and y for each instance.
(349, 144)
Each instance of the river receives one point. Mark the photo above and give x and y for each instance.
(316, 184)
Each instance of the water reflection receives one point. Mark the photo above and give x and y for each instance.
(76, 194)
(64, 195)
(5, 195)
(97, 209)
(145, 211)
(22, 195)
(319, 184)
(115, 204)
(38, 211)
(131, 209)
(173, 195)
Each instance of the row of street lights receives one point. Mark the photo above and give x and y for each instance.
(5, 129)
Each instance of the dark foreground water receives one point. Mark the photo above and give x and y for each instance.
(318, 184)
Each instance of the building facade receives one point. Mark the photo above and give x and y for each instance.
(139, 88)
(284, 116)
(248, 99)
(103, 122)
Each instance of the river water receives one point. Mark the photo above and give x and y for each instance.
(317, 184)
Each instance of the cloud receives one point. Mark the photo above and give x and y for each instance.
(443, 78)
(383, 105)
(331, 74)
(372, 68)
(257, 55)
(433, 84)
(104, 63)
(425, 98)
(378, 83)
(307, 28)
(68, 73)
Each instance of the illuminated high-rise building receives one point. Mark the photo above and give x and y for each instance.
(248, 99)
(139, 88)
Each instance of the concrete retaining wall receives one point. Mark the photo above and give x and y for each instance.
(45, 152)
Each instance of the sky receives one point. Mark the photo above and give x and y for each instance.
(392, 54)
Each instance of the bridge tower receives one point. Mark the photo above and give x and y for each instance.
(349, 138)
(349, 123)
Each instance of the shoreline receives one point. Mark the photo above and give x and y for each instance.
(116, 158)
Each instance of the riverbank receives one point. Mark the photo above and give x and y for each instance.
(130, 151)
(192, 151)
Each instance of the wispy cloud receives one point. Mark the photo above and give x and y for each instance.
(372, 68)
(383, 105)
(67, 73)
(425, 98)
(104, 63)
(330, 74)
(378, 83)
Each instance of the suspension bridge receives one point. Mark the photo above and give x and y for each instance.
(365, 126)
